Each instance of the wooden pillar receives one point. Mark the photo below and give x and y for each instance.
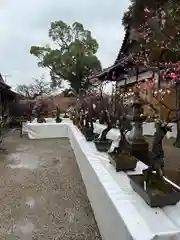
(1, 103)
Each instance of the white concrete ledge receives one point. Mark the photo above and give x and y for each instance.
(120, 213)
(148, 130)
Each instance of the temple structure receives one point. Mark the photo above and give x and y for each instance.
(127, 74)
(6, 96)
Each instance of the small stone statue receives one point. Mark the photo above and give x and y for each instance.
(81, 119)
(58, 112)
(38, 111)
(88, 129)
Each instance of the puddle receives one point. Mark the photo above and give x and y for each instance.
(25, 227)
(71, 215)
(30, 202)
(23, 160)
(23, 148)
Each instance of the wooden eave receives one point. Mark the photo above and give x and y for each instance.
(119, 60)
(112, 68)
(124, 46)
(11, 95)
(122, 54)
(4, 86)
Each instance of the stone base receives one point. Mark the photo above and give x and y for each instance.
(140, 150)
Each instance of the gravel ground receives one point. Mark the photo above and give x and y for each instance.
(42, 194)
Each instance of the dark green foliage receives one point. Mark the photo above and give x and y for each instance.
(135, 13)
(157, 29)
(74, 57)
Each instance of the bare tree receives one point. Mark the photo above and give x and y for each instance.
(38, 88)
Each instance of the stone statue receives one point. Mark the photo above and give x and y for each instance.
(58, 112)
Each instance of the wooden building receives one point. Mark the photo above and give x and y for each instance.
(6, 96)
(127, 74)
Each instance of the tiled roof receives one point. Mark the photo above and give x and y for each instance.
(123, 46)
(2, 83)
(1, 79)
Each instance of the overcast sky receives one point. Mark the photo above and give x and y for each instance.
(26, 22)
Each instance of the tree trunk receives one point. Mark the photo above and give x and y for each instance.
(177, 142)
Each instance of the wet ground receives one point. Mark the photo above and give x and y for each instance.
(42, 195)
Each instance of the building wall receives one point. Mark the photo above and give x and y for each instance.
(162, 105)
(64, 102)
(169, 100)
(49, 104)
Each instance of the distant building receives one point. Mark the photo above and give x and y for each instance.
(6, 96)
(127, 74)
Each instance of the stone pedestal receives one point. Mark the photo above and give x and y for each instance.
(138, 146)
(140, 150)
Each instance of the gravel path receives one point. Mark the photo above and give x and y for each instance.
(42, 195)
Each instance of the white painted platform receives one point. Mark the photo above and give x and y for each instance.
(53, 120)
(120, 213)
(114, 134)
(148, 130)
(42, 129)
